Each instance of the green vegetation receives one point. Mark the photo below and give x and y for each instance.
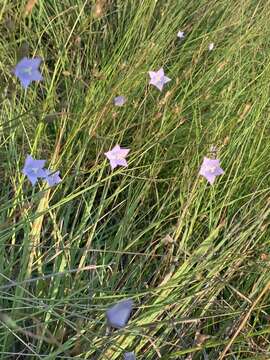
(194, 258)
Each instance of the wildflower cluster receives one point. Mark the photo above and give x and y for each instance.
(27, 71)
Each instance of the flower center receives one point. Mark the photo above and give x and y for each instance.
(115, 156)
(27, 70)
(35, 170)
(211, 169)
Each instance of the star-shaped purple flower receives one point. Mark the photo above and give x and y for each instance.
(119, 314)
(210, 168)
(119, 100)
(117, 156)
(27, 70)
(158, 78)
(181, 35)
(129, 356)
(52, 178)
(33, 169)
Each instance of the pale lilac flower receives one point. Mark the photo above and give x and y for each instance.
(119, 314)
(117, 156)
(119, 100)
(181, 35)
(52, 178)
(158, 78)
(211, 46)
(210, 168)
(33, 169)
(129, 356)
(27, 71)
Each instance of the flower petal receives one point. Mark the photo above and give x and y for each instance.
(119, 314)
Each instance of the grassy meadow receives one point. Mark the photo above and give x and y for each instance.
(193, 257)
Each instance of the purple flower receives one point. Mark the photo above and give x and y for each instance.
(119, 314)
(119, 100)
(27, 71)
(52, 178)
(33, 169)
(158, 79)
(129, 356)
(117, 156)
(211, 46)
(181, 35)
(210, 168)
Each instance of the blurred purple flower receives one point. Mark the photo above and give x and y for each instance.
(211, 46)
(181, 35)
(27, 71)
(117, 156)
(158, 78)
(33, 169)
(129, 356)
(119, 100)
(210, 168)
(119, 314)
(52, 178)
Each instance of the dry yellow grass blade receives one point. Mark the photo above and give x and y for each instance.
(29, 6)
